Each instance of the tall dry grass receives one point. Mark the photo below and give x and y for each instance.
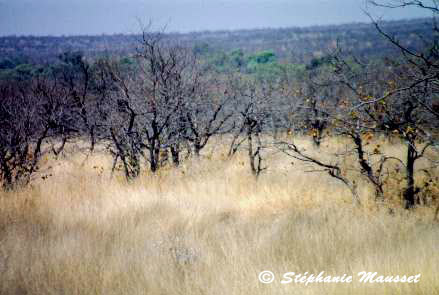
(205, 228)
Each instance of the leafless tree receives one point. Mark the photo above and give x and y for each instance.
(207, 113)
(253, 120)
(34, 115)
(160, 105)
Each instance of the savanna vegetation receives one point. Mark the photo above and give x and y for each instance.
(183, 167)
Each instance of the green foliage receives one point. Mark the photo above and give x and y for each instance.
(6, 64)
(268, 71)
(260, 58)
(128, 64)
(237, 58)
(263, 65)
(275, 70)
(25, 70)
(72, 58)
(18, 68)
(11, 63)
(21, 72)
(219, 59)
(319, 62)
(201, 49)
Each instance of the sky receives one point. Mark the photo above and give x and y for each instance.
(94, 17)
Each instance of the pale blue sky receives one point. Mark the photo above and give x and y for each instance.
(73, 17)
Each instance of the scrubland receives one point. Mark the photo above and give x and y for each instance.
(207, 227)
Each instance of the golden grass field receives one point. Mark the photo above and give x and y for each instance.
(205, 228)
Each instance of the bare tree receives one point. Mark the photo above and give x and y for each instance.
(78, 77)
(335, 169)
(207, 113)
(161, 104)
(32, 114)
(253, 117)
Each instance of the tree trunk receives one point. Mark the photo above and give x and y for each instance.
(7, 179)
(409, 193)
(92, 140)
(379, 193)
(154, 153)
(197, 147)
(355, 196)
(250, 152)
(175, 152)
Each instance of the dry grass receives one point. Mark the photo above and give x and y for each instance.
(205, 228)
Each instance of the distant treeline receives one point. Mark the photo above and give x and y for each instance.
(293, 45)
